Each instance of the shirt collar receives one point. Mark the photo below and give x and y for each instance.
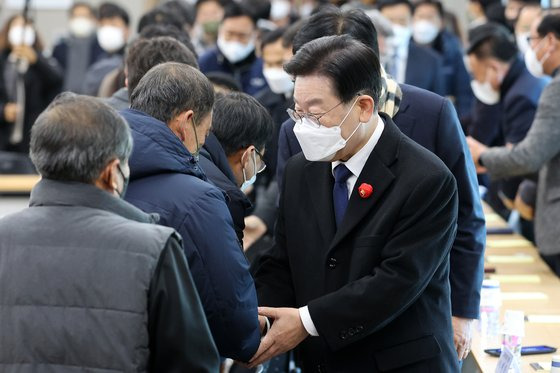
(357, 162)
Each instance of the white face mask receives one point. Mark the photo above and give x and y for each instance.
(321, 144)
(235, 51)
(533, 64)
(306, 9)
(279, 9)
(522, 42)
(110, 38)
(485, 93)
(278, 80)
(401, 36)
(81, 27)
(424, 32)
(20, 36)
(247, 183)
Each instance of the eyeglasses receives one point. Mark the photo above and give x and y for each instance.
(314, 118)
(263, 165)
(531, 38)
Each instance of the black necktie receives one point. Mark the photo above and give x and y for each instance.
(340, 191)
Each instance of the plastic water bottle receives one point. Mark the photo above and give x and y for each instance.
(555, 364)
(513, 332)
(490, 303)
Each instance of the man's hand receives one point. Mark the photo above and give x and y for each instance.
(255, 228)
(477, 148)
(25, 52)
(10, 112)
(285, 334)
(462, 336)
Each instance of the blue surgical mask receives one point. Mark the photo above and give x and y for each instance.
(247, 183)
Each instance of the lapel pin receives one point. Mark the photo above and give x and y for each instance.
(365, 190)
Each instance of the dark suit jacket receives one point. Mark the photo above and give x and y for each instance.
(431, 121)
(377, 287)
(424, 69)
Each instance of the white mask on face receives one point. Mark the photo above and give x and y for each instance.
(20, 36)
(81, 27)
(533, 64)
(279, 9)
(247, 183)
(306, 9)
(110, 38)
(278, 80)
(485, 93)
(401, 35)
(235, 51)
(321, 144)
(424, 32)
(522, 43)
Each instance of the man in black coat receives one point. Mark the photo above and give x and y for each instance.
(366, 222)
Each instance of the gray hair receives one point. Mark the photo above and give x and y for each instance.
(171, 88)
(76, 137)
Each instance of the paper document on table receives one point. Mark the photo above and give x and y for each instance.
(522, 258)
(516, 279)
(544, 319)
(523, 296)
(514, 242)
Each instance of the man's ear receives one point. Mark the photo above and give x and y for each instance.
(179, 124)
(367, 106)
(108, 178)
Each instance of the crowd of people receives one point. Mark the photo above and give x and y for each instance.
(262, 184)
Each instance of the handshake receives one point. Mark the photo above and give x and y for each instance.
(287, 331)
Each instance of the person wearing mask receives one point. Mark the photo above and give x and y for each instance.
(440, 132)
(235, 50)
(513, 10)
(527, 16)
(241, 128)
(209, 14)
(539, 151)
(410, 63)
(361, 253)
(88, 280)
(28, 82)
(112, 35)
(501, 78)
(143, 54)
(77, 51)
(170, 118)
(428, 30)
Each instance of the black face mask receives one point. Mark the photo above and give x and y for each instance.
(125, 182)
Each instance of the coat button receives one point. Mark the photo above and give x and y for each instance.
(332, 263)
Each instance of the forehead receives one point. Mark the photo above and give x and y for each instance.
(426, 10)
(112, 21)
(313, 91)
(273, 49)
(397, 10)
(243, 23)
(81, 11)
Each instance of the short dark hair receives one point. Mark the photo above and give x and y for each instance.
(550, 24)
(232, 10)
(351, 65)
(272, 36)
(111, 10)
(498, 42)
(180, 35)
(83, 4)
(183, 9)
(291, 32)
(160, 16)
(434, 3)
(171, 88)
(222, 3)
(259, 8)
(387, 3)
(239, 120)
(143, 54)
(76, 137)
(224, 79)
(333, 21)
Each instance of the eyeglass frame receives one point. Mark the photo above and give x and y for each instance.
(313, 117)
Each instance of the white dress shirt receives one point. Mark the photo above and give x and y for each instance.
(355, 164)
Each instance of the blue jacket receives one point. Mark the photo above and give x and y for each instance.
(424, 69)
(248, 72)
(432, 122)
(166, 179)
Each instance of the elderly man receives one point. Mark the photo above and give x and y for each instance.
(170, 117)
(359, 270)
(86, 279)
